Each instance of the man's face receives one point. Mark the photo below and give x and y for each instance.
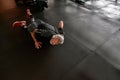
(55, 41)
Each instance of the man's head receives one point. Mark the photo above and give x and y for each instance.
(19, 23)
(57, 39)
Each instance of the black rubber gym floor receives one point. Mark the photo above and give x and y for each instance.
(87, 37)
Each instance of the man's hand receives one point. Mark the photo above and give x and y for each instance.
(60, 24)
(38, 45)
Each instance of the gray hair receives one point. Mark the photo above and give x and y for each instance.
(61, 37)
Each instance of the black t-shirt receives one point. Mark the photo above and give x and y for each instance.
(43, 29)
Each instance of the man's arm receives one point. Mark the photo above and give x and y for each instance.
(37, 43)
(60, 27)
(32, 31)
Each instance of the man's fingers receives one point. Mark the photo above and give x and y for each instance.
(38, 45)
(40, 42)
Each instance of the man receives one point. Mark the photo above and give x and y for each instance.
(41, 31)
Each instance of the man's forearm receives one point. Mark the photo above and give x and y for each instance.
(37, 43)
(33, 36)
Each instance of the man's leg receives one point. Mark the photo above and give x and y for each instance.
(30, 16)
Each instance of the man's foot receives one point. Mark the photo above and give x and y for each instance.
(19, 24)
(60, 24)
